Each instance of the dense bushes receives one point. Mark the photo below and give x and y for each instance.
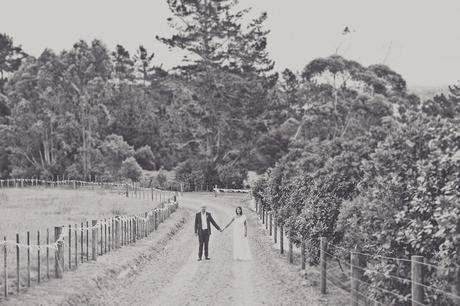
(144, 156)
(390, 187)
(201, 173)
(130, 169)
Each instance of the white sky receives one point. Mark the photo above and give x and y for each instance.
(424, 35)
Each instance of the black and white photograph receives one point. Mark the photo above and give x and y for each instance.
(230, 152)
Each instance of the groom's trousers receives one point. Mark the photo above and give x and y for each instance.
(203, 238)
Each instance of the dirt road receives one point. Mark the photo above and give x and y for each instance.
(163, 269)
(175, 277)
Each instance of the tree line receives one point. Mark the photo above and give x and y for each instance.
(90, 112)
(373, 169)
(348, 153)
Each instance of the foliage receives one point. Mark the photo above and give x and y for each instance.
(144, 156)
(231, 177)
(226, 78)
(347, 153)
(212, 109)
(115, 150)
(258, 189)
(130, 169)
(61, 115)
(370, 168)
(162, 180)
(441, 105)
(410, 190)
(11, 57)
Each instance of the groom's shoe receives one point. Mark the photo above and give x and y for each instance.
(207, 258)
(199, 259)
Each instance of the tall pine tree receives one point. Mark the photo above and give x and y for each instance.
(228, 68)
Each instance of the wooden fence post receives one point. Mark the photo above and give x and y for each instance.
(281, 239)
(417, 280)
(82, 241)
(126, 232)
(302, 254)
(76, 246)
(105, 236)
(355, 278)
(152, 221)
(121, 224)
(113, 234)
(109, 234)
(47, 253)
(28, 259)
(266, 219)
(140, 227)
(94, 240)
(147, 224)
(59, 254)
(135, 229)
(70, 247)
(87, 240)
(102, 239)
(323, 243)
(18, 281)
(38, 257)
(117, 232)
(271, 223)
(5, 268)
(130, 228)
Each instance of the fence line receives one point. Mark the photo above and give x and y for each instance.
(99, 238)
(129, 190)
(356, 269)
(134, 189)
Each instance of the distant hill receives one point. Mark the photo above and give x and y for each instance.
(428, 92)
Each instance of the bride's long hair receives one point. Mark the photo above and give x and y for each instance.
(241, 211)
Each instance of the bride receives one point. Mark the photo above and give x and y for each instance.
(240, 236)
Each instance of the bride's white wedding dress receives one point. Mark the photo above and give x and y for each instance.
(241, 249)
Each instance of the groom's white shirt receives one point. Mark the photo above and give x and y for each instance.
(204, 224)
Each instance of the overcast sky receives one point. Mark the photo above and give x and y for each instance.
(418, 38)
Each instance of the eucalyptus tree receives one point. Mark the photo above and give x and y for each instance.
(56, 109)
(11, 57)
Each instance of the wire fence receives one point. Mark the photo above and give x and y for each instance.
(41, 255)
(365, 277)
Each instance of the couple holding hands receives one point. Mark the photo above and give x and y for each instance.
(203, 221)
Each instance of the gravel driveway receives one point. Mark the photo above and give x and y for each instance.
(177, 278)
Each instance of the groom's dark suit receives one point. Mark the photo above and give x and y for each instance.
(203, 235)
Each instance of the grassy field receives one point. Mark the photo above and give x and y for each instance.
(39, 209)
(32, 209)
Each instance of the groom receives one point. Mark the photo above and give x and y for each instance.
(203, 222)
